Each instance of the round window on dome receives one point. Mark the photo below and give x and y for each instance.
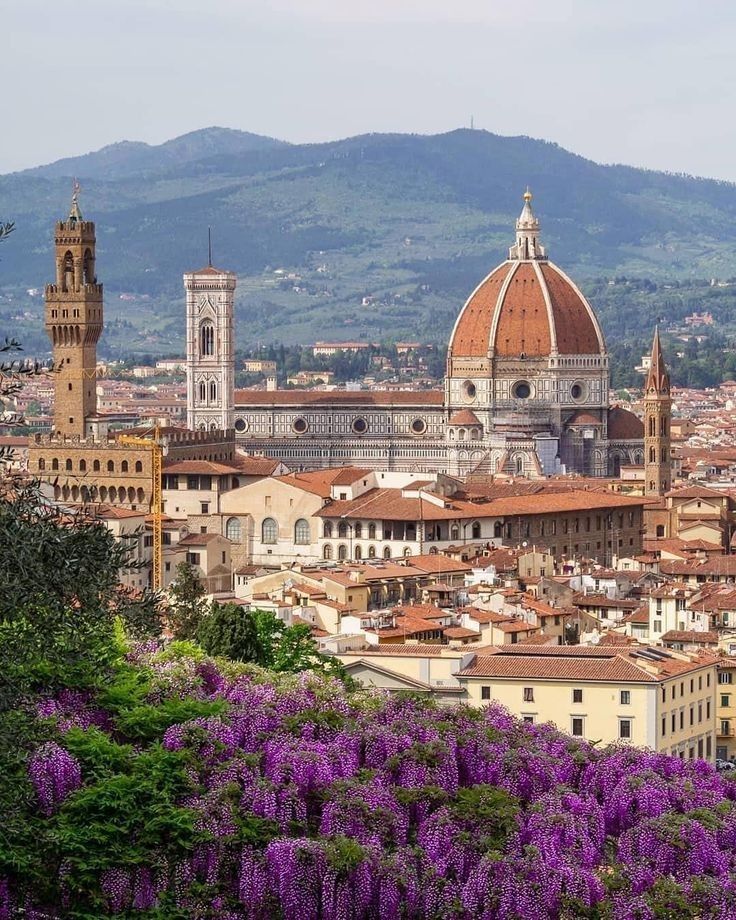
(360, 426)
(469, 389)
(577, 391)
(300, 425)
(418, 426)
(522, 390)
(241, 425)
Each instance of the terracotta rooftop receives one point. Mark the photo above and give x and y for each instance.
(464, 417)
(356, 398)
(692, 636)
(320, 482)
(584, 663)
(200, 539)
(200, 467)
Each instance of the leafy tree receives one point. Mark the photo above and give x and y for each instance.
(187, 602)
(297, 651)
(230, 631)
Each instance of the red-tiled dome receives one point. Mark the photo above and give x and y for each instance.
(527, 306)
(624, 425)
(464, 417)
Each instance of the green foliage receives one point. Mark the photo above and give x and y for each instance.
(188, 606)
(98, 755)
(149, 721)
(125, 820)
(230, 631)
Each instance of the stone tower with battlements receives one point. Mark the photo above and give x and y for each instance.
(210, 296)
(657, 417)
(73, 321)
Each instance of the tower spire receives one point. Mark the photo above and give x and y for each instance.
(527, 244)
(74, 212)
(209, 247)
(657, 418)
(658, 378)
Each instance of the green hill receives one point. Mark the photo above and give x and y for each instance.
(373, 236)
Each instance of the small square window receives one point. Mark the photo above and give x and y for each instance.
(624, 728)
(577, 696)
(578, 727)
(528, 694)
(485, 693)
(529, 719)
(625, 697)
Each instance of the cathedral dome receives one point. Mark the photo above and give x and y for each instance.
(527, 307)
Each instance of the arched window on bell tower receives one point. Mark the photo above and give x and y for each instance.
(213, 391)
(88, 276)
(67, 272)
(206, 339)
(203, 392)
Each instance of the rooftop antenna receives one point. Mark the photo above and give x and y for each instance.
(209, 246)
(472, 123)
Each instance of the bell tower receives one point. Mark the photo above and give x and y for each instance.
(210, 296)
(657, 417)
(74, 322)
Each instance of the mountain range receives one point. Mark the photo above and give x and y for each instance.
(371, 236)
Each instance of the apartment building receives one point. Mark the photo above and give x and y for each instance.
(663, 700)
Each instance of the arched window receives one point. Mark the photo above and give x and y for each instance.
(660, 530)
(206, 339)
(202, 392)
(342, 552)
(232, 529)
(386, 552)
(519, 464)
(407, 552)
(498, 529)
(110, 466)
(55, 464)
(82, 466)
(358, 531)
(342, 529)
(327, 530)
(68, 464)
(269, 531)
(327, 551)
(371, 552)
(652, 454)
(371, 531)
(302, 535)
(358, 552)
(96, 466)
(124, 466)
(89, 267)
(454, 532)
(475, 530)
(213, 391)
(41, 464)
(138, 466)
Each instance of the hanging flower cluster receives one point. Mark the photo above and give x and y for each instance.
(55, 773)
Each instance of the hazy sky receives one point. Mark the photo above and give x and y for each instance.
(646, 82)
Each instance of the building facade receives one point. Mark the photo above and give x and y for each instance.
(526, 390)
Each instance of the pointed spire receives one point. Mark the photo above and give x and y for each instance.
(209, 247)
(74, 212)
(527, 244)
(658, 378)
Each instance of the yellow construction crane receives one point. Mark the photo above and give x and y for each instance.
(157, 454)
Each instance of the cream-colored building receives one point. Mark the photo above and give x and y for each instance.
(663, 700)
(726, 709)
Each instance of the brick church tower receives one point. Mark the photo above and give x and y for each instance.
(74, 322)
(657, 416)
